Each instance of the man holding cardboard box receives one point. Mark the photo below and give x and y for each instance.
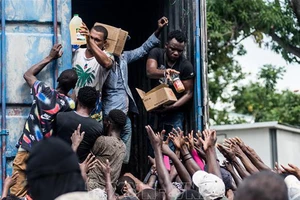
(116, 93)
(92, 64)
(162, 64)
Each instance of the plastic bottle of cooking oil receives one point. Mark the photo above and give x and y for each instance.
(76, 37)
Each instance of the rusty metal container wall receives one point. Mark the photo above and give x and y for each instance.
(181, 16)
(29, 37)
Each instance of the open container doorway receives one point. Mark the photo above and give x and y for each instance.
(139, 18)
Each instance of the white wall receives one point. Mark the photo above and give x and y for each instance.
(288, 147)
(256, 138)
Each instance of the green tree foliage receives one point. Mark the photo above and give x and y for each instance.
(231, 21)
(264, 102)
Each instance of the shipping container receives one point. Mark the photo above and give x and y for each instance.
(29, 28)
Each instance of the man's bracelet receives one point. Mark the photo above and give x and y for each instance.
(165, 73)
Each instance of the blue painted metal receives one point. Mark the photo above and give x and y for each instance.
(29, 36)
(3, 94)
(198, 101)
(55, 70)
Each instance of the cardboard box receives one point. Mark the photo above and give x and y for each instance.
(116, 39)
(158, 96)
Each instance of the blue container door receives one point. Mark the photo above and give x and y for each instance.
(29, 30)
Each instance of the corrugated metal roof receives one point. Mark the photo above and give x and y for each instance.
(271, 124)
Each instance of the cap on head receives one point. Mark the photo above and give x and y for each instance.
(210, 186)
(293, 185)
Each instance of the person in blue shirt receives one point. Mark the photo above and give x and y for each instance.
(116, 93)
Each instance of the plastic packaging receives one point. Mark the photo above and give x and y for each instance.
(74, 26)
(178, 85)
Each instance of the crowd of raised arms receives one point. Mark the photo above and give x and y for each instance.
(77, 137)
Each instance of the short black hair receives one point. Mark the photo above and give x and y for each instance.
(253, 187)
(67, 79)
(11, 197)
(87, 96)
(101, 29)
(178, 35)
(118, 117)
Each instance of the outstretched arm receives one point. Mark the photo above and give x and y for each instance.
(30, 74)
(230, 168)
(105, 167)
(209, 141)
(241, 155)
(252, 155)
(161, 23)
(180, 144)
(182, 171)
(229, 155)
(77, 138)
(8, 183)
(163, 175)
(151, 42)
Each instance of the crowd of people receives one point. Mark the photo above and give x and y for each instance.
(68, 150)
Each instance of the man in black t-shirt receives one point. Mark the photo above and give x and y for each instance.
(163, 63)
(67, 122)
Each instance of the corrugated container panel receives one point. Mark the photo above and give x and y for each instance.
(181, 16)
(29, 36)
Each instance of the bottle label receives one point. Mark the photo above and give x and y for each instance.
(179, 87)
(78, 35)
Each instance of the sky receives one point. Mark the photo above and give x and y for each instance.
(257, 57)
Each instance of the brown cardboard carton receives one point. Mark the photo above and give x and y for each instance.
(116, 39)
(158, 96)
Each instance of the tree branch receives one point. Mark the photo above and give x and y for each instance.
(288, 47)
(296, 8)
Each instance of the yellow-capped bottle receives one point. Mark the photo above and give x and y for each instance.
(74, 26)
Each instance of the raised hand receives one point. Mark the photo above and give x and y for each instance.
(151, 160)
(227, 153)
(56, 51)
(190, 138)
(11, 180)
(128, 190)
(88, 164)
(165, 147)
(84, 30)
(228, 166)
(278, 169)
(76, 138)
(153, 165)
(177, 138)
(169, 73)
(162, 22)
(293, 169)
(105, 167)
(236, 149)
(210, 139)
(155, 138)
